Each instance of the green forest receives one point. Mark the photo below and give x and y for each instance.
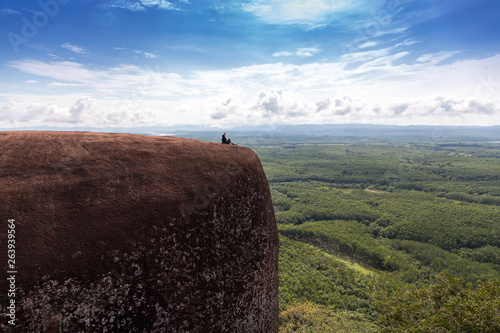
(386, 235)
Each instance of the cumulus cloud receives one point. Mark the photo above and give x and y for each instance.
(132, 6)
(74, 48)
(7, 111)
(77, 110)
(323, 105)
(375, 76)
(85, 111)
(444, 106)
(225, 110)
(273, 106)
(276, 106)
(371, 86)
(162, 4)
(279, 105)
(340, 106)
(14, 113)
(268, 106)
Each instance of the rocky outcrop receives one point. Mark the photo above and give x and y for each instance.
(131, 233)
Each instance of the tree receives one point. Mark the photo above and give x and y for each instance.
(447, 304)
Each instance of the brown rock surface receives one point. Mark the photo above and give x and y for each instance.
(131, 233)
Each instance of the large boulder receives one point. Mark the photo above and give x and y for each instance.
(132, 233)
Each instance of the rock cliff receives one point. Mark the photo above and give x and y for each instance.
(131, 233)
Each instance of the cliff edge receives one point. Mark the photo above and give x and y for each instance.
(132, 233)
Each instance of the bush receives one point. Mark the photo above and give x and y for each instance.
(309, 317)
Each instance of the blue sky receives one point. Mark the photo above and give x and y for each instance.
(225, 63)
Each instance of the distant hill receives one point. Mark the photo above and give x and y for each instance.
(422, 133)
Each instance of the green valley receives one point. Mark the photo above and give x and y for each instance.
(381, 236)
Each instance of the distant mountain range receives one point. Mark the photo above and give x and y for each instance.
(433, 133)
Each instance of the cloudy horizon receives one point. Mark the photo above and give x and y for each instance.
(132, 63)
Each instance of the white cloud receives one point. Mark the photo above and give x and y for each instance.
(74, 48)
(365, 55)
(142, 5)
(387, 30)
(150, 55)
(407, 42)
(63, 84)
(368, 37)
(279, 107)
(387, 61)
(62, 70)
(373, 86)
(85, 111)
(277, 104)
(283, 54)
(441, 107)
(309, 12)
(163, 4)
(368, 45)
(53, 56)
(123, 82)
(147, 55)
(8, 11)
(303, 52)
(436, 58)
(340, 106)
(307, 52)
(315, 13)
(132, 6)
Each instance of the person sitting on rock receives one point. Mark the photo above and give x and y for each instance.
(227, 141)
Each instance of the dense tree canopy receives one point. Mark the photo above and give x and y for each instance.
(367, 229)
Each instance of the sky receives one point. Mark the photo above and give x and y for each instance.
(116, 63)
